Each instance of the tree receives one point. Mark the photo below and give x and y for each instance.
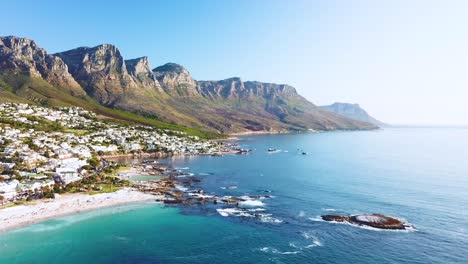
(93, 162)
(57, 188)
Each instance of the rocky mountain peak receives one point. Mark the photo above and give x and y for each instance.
(235, 88)
(138, 65)
(140, 69)
(270, 89)
(24, 56)
(171, 67)
(353, 111)
(101, 70)
(175, 79)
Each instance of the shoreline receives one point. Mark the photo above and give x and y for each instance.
(261, 132)
(16, 217)
(19, 216)
(137, 155)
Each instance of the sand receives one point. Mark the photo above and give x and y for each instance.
(23, 215)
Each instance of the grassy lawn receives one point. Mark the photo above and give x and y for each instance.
(17, 203)
(106, 188)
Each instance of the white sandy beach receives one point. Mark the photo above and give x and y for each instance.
(23, 215)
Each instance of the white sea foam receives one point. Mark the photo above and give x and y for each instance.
(181, 188)
(311, 237)
(291, 244)
(275, 251)
(269, 219)
(247, 197)
(223, 212)
(200, 195)
(233, 212)
(408, 228)
(316, 219)
(314, 244)
(231, 187)
(251, 203)
(256, 209)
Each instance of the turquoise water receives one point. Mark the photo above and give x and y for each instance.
(418, 174)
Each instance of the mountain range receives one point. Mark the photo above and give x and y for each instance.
(353, 111)
(100, 79)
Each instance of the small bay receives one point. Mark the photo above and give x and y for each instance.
(416, 174)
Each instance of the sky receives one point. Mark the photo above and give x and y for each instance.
(405, 62)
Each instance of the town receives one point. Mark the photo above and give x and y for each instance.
(43, 151)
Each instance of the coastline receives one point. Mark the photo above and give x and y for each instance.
(24, 215)
(69, 204)
(261, 132)
(234, 136)
(137, 155)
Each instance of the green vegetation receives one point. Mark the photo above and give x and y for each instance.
(78, 132)
(44, 125)
(96, 184)
(23, 89)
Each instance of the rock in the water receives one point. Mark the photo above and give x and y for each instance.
(378, 221)
(373, 220)
(335, 218)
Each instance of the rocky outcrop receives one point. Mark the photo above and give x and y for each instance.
(175, 80)
(140, 70)
(235, 88)
(353, 111)
(100, 70)
(23, 56)
(373, 220)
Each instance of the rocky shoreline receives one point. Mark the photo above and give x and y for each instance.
(173, 186)
(178, 187)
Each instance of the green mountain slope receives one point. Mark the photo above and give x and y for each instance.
(100, 79)
(24, 89)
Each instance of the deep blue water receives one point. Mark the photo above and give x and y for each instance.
(419, 174)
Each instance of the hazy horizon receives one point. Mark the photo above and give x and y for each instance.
(403, 62)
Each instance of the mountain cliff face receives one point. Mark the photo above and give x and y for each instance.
(169, 92)
(269, 106)
(175, 80)
(140, 70)
(101, 71)
(20, 56)
(353, 111)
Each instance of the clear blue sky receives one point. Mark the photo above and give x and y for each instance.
(406, 62)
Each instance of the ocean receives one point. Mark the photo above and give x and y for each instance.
(416, 174)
